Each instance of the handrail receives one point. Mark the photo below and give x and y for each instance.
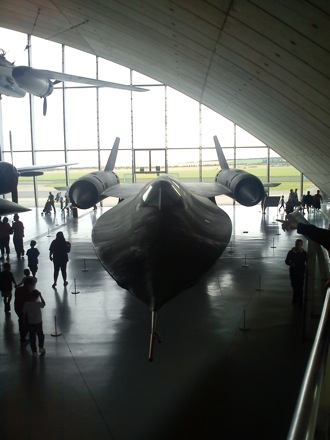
(306, 411)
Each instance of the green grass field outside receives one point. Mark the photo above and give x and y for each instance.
(288, 176)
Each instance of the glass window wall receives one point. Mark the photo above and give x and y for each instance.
(162, 126)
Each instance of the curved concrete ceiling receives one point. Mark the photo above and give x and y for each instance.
(262, 64)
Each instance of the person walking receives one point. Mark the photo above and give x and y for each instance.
(58, 254)
(51, 200)
(282, 204)
(7, 281)
(66, 203)
(59, 198)
(296, 259)
(308, 200)
(5, 232)
(33, 318)
(33, 254)
(317, 200)
(22, 294)
(18, 231)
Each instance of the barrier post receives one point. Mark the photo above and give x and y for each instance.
(244, 328)
(56, 334)
(230, 248)
(245, 265)
(259, 288)
(75, 288)
(84, 269)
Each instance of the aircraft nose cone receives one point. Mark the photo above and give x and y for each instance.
(162, 193)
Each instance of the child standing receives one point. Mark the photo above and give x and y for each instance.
(33, 254)
(27, 274)
(7, 281)
(33, 318)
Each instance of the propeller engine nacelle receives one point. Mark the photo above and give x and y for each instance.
(8, 180)
(31, 81)
(86, 191)
(245, 188)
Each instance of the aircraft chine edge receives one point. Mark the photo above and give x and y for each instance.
(7, 207)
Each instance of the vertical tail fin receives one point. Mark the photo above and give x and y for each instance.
(113, 156)
(222, 160)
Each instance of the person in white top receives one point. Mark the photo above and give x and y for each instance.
(33, 317)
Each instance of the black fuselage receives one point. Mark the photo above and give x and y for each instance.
(161, 241)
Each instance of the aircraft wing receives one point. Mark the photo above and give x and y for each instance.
(29, 171)
(271, 185)
(208, 189)
(124, 191)
(58, 76)
(62, 188)
(7, 207)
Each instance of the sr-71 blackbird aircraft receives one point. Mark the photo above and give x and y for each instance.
(165, 235)
(16, 81)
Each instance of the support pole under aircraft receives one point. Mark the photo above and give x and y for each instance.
(153, 336)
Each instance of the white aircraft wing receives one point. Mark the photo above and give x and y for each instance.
(36, 168)
(7, 207)
(58, 76)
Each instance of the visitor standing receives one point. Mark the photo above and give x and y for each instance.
(18, 235)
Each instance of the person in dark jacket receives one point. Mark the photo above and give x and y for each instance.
(296, 259)
(22, 294)
(18, 231)
(5, 232)
(308, 201)
(33, 254)
(7, 281)
(58, 254)
(317, 200)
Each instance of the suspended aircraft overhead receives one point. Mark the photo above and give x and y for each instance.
(16, 81)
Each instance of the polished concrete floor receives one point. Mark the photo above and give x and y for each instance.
(215, 374)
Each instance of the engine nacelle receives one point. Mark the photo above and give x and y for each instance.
(86, 191)
(8, 178)
(30, 80)
(243, 187)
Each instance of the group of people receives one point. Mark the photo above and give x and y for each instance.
(307, 202)
(50, 203)
(17, 230)
(28, 300)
